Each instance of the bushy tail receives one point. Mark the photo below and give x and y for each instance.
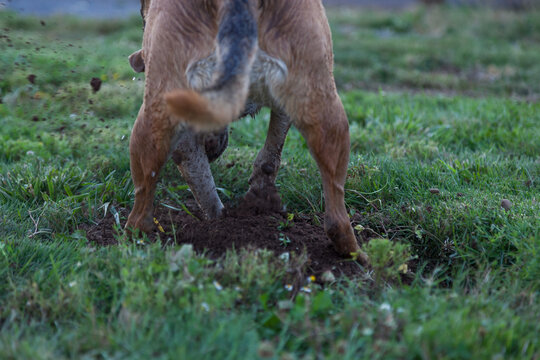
(222, 102)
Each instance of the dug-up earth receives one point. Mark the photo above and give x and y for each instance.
(246, 226)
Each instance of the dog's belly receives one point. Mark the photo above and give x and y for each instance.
(267, 74)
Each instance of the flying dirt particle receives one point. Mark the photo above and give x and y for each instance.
(434, 191)
(96, 84)
(35, 118)
(42, 23)
(90, 102)
(506, 204)
(32, 78)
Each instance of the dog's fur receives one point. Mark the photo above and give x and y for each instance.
(207, 62)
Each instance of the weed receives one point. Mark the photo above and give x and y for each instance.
(388, 259)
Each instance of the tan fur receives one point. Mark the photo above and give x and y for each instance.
(205, 113)
(188, 104)
(293, 34)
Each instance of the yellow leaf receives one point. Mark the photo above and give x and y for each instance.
(403, 268)
(160, 228)
(39, 95)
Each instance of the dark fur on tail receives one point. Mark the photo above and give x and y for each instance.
(224, 100)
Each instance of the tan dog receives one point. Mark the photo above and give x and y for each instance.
(208, 62)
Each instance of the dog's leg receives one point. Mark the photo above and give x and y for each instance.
(265, 169)
(327, 135)
(149, 149)
(192, 161)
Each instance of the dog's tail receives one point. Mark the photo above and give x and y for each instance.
(224, 100)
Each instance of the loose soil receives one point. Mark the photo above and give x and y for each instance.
(250, 225)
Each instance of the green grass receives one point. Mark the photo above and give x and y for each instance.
(439, 98)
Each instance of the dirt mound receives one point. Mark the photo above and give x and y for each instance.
(244, 226)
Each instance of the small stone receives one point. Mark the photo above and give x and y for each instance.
(285, 305)
(506, 204)
(328, 277)
(266, 350)
(434, 191)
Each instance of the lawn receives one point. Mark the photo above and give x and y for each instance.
(444, 110)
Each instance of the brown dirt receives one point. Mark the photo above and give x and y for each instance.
(252, 224)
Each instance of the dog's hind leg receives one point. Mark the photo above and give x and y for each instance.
(325, 127)
(193, 162)
(265, 169)
(149, 149)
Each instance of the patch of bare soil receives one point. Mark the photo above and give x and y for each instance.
(249, 225)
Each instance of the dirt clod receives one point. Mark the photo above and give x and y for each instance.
(434, 191)
(32, 78)
(506, 204)
(95, 83)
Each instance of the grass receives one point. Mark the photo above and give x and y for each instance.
(438, 98)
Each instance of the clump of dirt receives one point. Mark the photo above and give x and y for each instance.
(95, 83)
(251, 224)
(32, 78)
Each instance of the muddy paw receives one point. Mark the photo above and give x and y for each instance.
(144, 225)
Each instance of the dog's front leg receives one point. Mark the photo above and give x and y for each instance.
(266, 166)
(191, 159)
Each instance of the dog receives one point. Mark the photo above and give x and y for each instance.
(210, 62)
